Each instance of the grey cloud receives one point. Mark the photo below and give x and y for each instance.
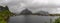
(16, 6)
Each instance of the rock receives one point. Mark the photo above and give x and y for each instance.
(26, 12)
(3, 8)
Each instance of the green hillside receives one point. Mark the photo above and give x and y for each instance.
(4, 15)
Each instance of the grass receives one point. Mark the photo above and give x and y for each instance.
(57, 20)
(4, 15)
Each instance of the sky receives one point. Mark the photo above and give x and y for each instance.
(16, 6)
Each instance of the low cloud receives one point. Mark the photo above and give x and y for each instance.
(16, 6)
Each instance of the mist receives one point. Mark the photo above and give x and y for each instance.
(16, 6)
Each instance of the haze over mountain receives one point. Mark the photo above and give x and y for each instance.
(16, 6)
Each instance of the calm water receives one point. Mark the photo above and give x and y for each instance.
(31, 19)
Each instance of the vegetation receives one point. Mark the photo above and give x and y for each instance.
(54, 14)
(57, 20)
(4, 15)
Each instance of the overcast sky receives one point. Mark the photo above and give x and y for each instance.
(16, 6)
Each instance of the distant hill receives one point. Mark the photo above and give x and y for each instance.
(26, 12)
(44, 13)
(3, 8)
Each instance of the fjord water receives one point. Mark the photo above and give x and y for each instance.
(31, 19)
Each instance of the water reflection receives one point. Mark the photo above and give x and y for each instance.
(31, 19)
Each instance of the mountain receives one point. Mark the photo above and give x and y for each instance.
(26, 12)
(44, 13)
(3, 8)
